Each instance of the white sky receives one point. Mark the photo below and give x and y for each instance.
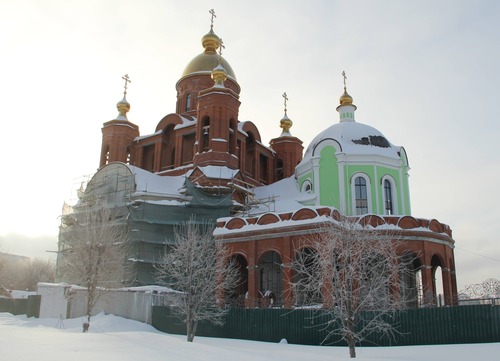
(424, 73)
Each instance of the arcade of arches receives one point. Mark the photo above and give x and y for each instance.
(264, 258)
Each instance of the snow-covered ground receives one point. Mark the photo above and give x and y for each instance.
(114, 338)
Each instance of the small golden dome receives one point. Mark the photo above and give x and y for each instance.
(210, 41)
(345, 99)
(285, 124)
(219, 75)
(123, 107)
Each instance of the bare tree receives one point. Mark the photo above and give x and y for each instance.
(23, 273)
(3, 264)
(200, 267)
(350, 268)
(92, 250)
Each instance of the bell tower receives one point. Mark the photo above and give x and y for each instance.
(118, 134)
(287, 147)
(217, 113)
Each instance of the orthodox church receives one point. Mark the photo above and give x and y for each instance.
(203, 161)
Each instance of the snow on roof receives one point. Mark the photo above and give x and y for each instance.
(147, 182)
(280, 196)
(219, 172)
(354, 138)
(149, 289)
(219, 231)
(240, 128)
(186, 122)
(147, 135)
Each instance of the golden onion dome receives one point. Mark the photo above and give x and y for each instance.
(219, 75)
(285, 124)
(210, 41)
(205, 62)
(345, 99)
(123, 107)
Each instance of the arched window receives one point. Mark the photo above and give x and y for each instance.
(104, 155)
(306, 186)
(205, 131)
(388, 197)
(129, 157)
(188, 103)
(307, 271)
(270, 278)
(236, 296)
(361, 195)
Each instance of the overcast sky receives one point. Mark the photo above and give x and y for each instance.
(424, 73)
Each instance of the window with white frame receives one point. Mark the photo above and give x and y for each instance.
(361, 195)
(306, 186)
(389, 195)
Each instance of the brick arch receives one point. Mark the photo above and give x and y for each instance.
(436, 226)
(336, 215)
(436, 259)
(266, 250)
(241, 253)
(270, 277)
(304, 213)
(372, 220)
(237, 295)
(408, 222)
(235, 223)
(249, 127)
(104, 154)
(268, 218)
(167, 120)
(304, 246)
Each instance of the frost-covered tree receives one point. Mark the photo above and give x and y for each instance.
(350, 268)
(199, 266)
(92, 251)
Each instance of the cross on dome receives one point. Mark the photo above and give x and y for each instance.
(123, 105)
(127, 80)
(285, 123)
(285, 99)
(212, 12)
(221, 46)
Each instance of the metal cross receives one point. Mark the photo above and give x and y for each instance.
(221, 46)
(127, 80)
(212, 11)
(345, 77)
(285, 97)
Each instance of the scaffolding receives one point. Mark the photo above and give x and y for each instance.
(151, 217)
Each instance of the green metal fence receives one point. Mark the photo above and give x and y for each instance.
(21, 306)
(427, 326)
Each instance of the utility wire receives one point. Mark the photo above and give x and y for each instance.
(477, 254)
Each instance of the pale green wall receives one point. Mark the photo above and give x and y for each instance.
(329, 185)
(329, 192)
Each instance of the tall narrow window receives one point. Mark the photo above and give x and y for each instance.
(361, 195)
(188, 102)
(205, 131)
(388, 197)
